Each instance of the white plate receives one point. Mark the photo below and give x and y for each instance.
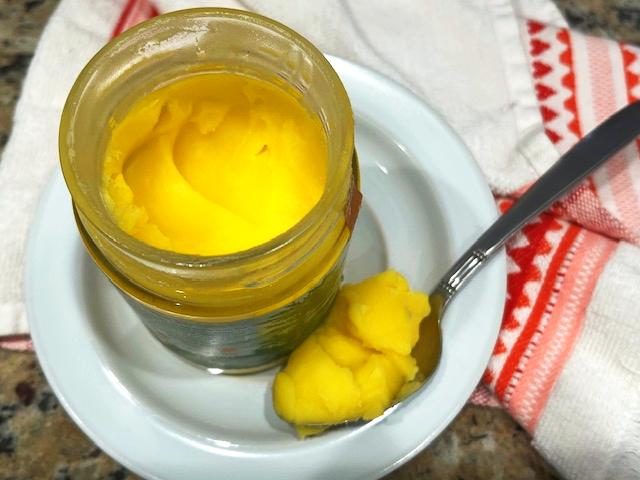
(425, 201)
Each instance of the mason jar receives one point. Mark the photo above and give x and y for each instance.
(233, 313)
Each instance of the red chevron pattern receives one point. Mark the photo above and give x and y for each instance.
(554, 72)
(554, 82)
(569, 81)
(530, 256)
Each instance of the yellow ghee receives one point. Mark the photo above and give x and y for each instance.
(214, 164)
(359, 361)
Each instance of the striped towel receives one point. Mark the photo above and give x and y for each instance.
(520, 88)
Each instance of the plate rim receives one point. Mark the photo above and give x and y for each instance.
(130, 462)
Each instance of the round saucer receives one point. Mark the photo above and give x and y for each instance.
(425, 201)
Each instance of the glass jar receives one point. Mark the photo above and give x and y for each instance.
(232, 313)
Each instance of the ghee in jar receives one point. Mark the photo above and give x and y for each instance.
(214, 164)
(185, 149)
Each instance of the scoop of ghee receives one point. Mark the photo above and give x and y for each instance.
(214, 164)
(357, 363)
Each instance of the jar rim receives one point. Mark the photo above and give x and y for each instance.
(157, 255)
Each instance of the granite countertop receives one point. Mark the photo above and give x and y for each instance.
(37, 438)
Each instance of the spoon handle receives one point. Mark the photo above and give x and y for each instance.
(584, 157)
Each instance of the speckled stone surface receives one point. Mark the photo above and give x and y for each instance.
(619, 19)
(37, 438)
(20, 27)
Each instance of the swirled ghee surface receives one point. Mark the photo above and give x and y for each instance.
(214, 164)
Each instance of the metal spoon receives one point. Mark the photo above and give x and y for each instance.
(585, 156)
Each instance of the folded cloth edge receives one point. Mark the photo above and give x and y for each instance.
(34, 140)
